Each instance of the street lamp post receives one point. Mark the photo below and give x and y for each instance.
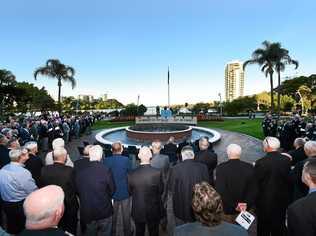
(220, 104)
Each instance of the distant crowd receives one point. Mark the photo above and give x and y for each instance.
(55, 195)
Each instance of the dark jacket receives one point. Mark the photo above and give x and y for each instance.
(34, 164)
(4, 156)
(183, 177)
(146, 187)
(302, 215)
(235, 183)
(62, 175)
(209, 158)
(120, 166)
(272, 179)
(95, 186)
(297, 155)
(80, 164)
(43, 232)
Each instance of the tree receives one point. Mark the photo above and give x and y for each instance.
(240, 105)
(200, 107)
(55, 69)
(282, 59)
(265, 57)
(7, 89)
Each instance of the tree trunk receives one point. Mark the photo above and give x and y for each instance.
(59, 97)
(279, 94)
(271, 91)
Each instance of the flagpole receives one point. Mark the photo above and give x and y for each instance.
(168, 88)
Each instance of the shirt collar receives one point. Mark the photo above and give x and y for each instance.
(312, 190)
(17, 163)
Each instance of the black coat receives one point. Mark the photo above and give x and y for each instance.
(209, 158)
(272, 179)
(302, 215)
(43, 232)
(145, 186)
(297, 155)
(235, 183)
(4, 156)
(62, 175)
(34, 164)
(80, 164)
(95, 186)
(183, 177)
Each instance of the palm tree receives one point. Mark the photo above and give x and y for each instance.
(265, 58)
(55, 69)
(282, 59)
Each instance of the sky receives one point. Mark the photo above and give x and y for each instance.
(123, 47)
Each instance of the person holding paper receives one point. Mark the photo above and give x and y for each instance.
(208, 210)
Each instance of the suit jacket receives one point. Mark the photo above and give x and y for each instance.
(95, 187)
(183, 177)
(43, 232)
(4, 156)
(235, 183)
(209, 158)
(146, 187)
(34, 164)
(272, 179)
(297, 155)
(61, 175)
(80, 164)
(302, 215)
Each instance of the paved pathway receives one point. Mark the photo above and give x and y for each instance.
(252, 150)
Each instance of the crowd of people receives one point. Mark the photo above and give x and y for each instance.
(55, 195)
(287, 130)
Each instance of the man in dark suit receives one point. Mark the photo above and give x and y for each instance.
(61, 175)
(83, 161)
(4, 151)
(183, 177)
(40, 221)
(300, 189)
(146, 187)
(302, 213)
(161, 162)
(298, 154)
(207, 157)
(234, 182)
(272, 179)
(95, 187)
(34, 164)
(170, 149)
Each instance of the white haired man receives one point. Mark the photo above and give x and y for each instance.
(298, 154)
(61, 175)
(183, 177)
(146, 187)
(43, 210)
(57, 143)
(301, 214)
(272, 180)
(95, 186)
(34, 164)
(16, 183)
(300, 189)
(235, 183)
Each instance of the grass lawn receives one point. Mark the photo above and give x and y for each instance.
(245, 126)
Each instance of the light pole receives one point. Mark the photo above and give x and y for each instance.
(220, 104)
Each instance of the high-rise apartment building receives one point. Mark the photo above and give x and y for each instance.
(234, 80)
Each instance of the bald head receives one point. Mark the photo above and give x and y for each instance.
(44, 207)
(156, 146)
(310, 148)
(86, 150)
(233, 151)
(144, 155)
(271, 144)
(60, 155)
(117, 148)
(203, 144)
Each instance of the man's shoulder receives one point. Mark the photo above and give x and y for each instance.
(50, 231)
(304, 203)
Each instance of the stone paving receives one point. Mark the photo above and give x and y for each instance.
(252, 150)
